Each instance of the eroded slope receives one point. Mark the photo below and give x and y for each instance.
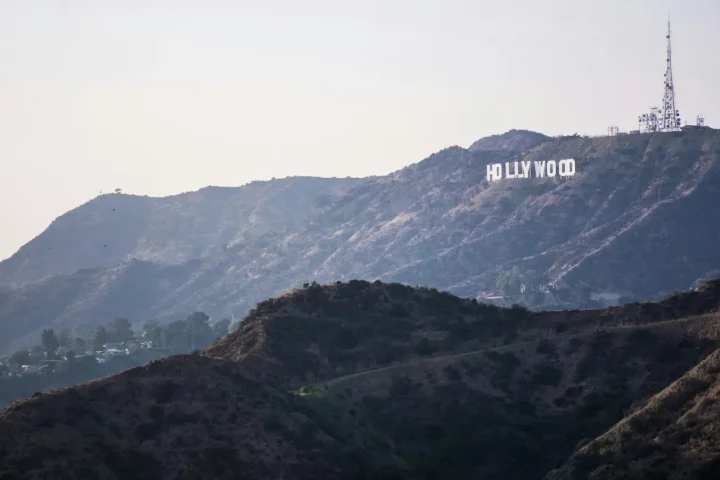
(634, 199)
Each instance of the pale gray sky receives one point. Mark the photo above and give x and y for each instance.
(160, 97)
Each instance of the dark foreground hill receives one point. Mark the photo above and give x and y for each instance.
(187, 417)
(597, 235)
(674, 436)
(374, 380)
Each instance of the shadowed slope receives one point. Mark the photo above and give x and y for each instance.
(183, 417)
(322, 332)
(369, 380)
(675, 436)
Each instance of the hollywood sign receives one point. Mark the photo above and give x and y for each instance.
(549, 168)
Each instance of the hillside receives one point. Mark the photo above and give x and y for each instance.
(186, 417)
(329, 381)
(515, 140)
(321, 332)
(596, 235)
(675, 435)
(113, 228)
(79, 302)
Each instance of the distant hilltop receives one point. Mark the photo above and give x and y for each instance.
(595, 234)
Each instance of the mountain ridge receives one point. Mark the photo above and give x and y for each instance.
(439, 222)
(113, 228)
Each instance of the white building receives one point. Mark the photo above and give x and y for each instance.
(33, 369)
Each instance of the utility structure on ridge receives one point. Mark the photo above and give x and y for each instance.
(670, 120)
(666, 118)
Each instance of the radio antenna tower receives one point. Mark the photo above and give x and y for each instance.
(669, 115)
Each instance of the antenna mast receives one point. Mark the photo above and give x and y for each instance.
(669, 115)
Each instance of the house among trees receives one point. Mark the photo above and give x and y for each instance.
(34, 369)
(62, 352)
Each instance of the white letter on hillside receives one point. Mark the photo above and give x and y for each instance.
(539, 169)
(494, 172)
(526, 168)
(567, 167)
(551, 168)
(497, 170)
(507, 171)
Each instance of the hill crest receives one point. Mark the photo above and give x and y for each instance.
(549, 379)
(634, 198)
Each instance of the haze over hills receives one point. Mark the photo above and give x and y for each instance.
(171, 230)
(439, 222)
(373, 380)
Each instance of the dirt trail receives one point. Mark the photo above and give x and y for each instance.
(420, 361)
(430, 360)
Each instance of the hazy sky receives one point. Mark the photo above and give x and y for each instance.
(161, 97)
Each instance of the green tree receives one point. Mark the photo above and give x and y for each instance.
(50, 342)
(198, 330)
(21, 357)
(174, 335)
(121, 330)
(221, 328)
(100, 337)
(36, 354)
(152, 332)
(79, 343)
(148, 327)
(70, 355)
(65, 338)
